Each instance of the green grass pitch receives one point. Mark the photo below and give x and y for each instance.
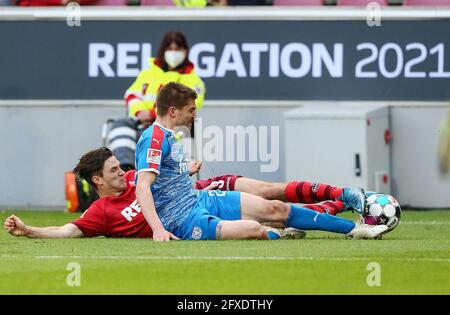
(413, 259)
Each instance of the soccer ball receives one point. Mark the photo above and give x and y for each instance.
(382, 209)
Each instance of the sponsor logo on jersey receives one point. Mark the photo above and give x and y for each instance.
(154, 156)
(131, 211)
(197, 233)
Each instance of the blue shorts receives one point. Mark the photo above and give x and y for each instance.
(212, 207)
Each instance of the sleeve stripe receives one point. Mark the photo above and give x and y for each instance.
(154, 170)
(157, 135)
(156, 143)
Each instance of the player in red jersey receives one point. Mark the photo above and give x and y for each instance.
(116, 213)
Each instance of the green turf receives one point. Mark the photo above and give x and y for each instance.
(414, 259)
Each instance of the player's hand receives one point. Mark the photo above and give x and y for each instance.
(162, 235)
(15, 226)
(194, 167)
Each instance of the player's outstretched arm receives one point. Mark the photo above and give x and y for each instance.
(15, 226)
(145, 199)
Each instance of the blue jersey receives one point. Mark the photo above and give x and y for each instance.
(173, 193)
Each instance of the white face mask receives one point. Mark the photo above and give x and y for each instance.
(174, 57)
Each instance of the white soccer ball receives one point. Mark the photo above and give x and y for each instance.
(382, 209)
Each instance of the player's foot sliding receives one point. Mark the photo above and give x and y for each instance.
(287, 233)
(366, 231)
(354, 199)
(307, 193)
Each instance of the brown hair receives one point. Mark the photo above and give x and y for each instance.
(173, 94)
(91, 164)
(173, 36)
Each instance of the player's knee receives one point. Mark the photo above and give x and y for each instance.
(266, 192)
(278, 210)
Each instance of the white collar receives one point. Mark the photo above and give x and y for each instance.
(162, 127)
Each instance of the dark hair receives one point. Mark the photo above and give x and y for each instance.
(173, 94)
(173, 36)
(91, 164)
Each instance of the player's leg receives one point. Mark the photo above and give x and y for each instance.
(295, 192)
(279, 191)
(308, 192)
(233, 205)
(240, 230)
(252, 230)
(201, 225)
(257, 208)
(226, 205)
(266, 190)
(330, 207)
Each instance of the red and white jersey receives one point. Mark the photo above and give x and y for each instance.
(115, 216)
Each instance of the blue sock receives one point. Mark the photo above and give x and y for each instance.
(272, 236)
(305, 219)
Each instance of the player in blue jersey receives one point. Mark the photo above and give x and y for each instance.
(175, 210)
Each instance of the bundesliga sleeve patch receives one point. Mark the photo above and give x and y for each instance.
(154, 156)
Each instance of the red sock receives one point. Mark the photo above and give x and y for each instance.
(307, 192)
(330, 207)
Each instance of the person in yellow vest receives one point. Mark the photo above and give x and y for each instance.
(170, 65)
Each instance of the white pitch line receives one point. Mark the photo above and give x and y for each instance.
(424, 222)
(243, 258)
